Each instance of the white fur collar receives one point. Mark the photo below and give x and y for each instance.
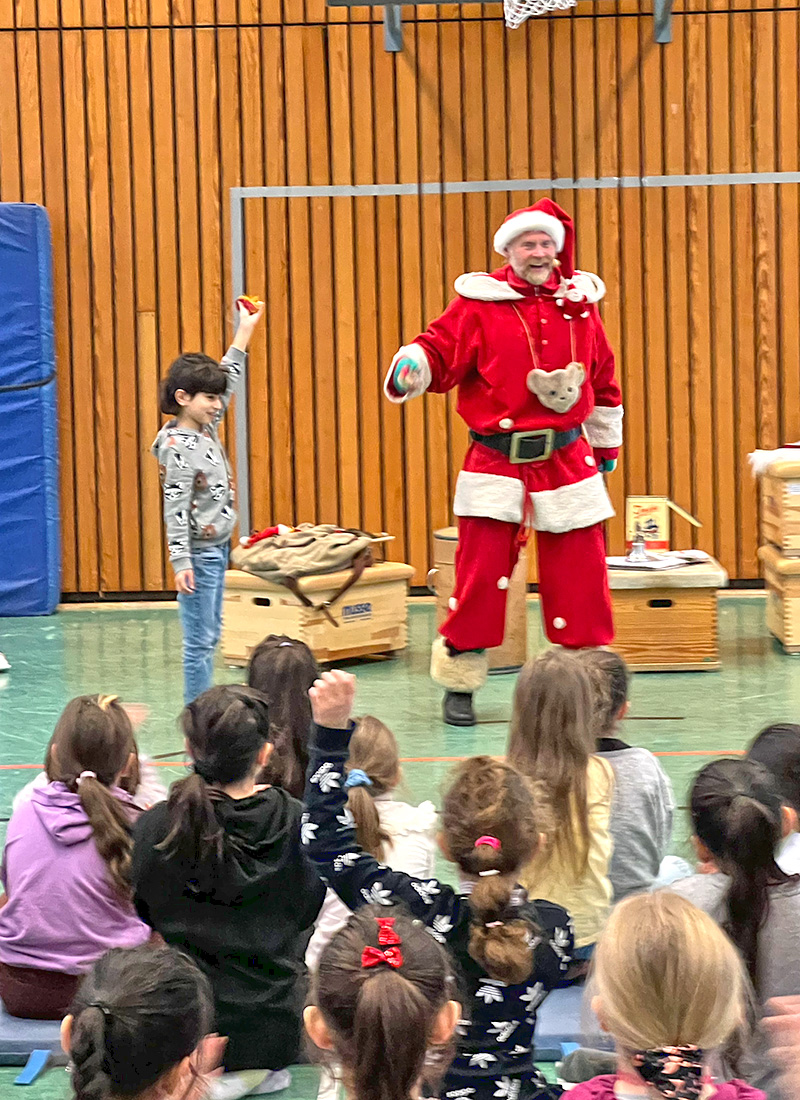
(481, 287)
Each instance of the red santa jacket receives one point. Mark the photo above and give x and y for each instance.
(520, 365)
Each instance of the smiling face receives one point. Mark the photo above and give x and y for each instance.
(197, 410)
(532, 256)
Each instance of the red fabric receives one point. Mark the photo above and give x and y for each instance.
(573, 585)
(607, 454)
(482, 347)
(602, 1088)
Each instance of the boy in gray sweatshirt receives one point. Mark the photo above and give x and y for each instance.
(199, 495)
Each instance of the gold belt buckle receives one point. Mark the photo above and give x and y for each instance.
(518, 438)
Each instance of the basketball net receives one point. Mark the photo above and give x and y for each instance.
(517, 11)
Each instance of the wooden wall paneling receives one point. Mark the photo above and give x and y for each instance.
(698, 278)
(304, 435)
(160, 13)
(103, 321)
(10, 152)
(129, 441)
(94, 15)
(720, 305)
(499, 203)
(391, 329)
(71, 13)
(47, 13)
(561, 78)
(742, 80)
(435, 294)
(478, 252)
(585, 115)
(52, 112)
(138, 13)
(343, 302)
(7, 19)
(25, 14)
(411, 311)
(188, 198)
(28, 80)
(788, 243)
(116, 13)
(322, 301)
(213, 212)
(276, 285)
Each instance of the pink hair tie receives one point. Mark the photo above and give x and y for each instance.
(492, 841)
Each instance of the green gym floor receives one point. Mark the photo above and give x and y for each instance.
(684, 717)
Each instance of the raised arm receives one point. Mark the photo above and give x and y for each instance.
(235, 357)
(439, 358)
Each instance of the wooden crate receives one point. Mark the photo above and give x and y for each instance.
(513, 653)
(782, 576)
(372, 616)
(667, 621)
(780, 507)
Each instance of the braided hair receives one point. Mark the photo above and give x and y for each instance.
(138, 1013)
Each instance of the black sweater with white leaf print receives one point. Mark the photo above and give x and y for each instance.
(494, 1054)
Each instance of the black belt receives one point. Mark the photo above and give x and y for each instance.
(535, 446)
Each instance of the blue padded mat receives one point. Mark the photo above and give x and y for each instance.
(19, 1037)
(30, 551)
(562, 1019)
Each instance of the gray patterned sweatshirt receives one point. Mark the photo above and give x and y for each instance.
(199, 493)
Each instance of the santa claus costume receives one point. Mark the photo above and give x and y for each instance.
(536, 386)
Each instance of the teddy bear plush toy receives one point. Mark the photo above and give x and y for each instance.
(558, 390)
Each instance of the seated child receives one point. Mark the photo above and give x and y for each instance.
(778, 749)
(66, 865)
(382, 1007)
(670, 989)
(552, 741)
(283, 670)
(510, 951)
(138, 1027)
(219, 871)
(643, 805)
(397, 834)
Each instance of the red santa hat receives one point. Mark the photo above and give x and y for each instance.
(545, 216)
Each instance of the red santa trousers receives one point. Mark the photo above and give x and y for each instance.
(573, 585)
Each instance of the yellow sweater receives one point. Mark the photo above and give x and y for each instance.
(587, 899)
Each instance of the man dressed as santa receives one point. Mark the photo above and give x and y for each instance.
(535, 375)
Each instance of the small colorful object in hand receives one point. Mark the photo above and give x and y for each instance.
(249, 302)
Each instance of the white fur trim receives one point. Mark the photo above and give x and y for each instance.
(502, 584)
(570, 507)
(465, 672)
(417, 353)
(479, 286)
(760, 460)
(528, 221)
(603, 426)
(493, 496)
(559, 623)
(590, 285)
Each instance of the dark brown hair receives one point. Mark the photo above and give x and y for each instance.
(94, 734)
(194, 373)
(489, 798)
(736, 813)
(778, 749)
(226, 727)
(610, 678)
(137, 1014)
(283, 669)
(380, 1018)
(373, 750)
(551, 740)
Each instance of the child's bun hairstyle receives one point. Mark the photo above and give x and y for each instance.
(283, 669)
(667, 976)
(610, 679)
(138, 1013)
(490, 829)
(226, 728)
(778, 749)
(381, 1014)
(736, 813)
(373, 768)
(90, 747)
(193, 372)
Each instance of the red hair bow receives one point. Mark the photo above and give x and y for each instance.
(386, 933)
(374, 956)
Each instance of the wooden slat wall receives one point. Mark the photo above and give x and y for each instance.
(131, 122)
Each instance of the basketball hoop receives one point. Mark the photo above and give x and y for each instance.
(517, 11)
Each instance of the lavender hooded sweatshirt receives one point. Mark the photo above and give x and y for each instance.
(62, 911)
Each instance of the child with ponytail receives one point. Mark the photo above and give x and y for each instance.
(138, 1029)
(66, 865)
(739, 822)
(218, 870)
(510, 951)
(671, 991)
(381, 1006)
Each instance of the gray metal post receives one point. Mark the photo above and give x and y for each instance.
(242, 426)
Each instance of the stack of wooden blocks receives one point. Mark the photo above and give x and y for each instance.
(780, 554)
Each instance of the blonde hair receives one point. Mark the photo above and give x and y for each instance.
(551, 740)
(667, 975)
(374, 751)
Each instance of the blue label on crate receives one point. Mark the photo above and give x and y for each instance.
(353, 611)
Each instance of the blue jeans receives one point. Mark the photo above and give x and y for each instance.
(201, 618)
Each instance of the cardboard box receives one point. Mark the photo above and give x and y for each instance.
(650, 516)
